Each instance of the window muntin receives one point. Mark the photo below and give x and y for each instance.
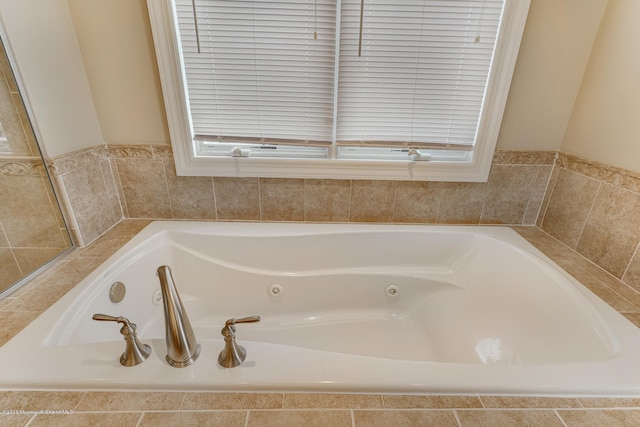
(468, 159)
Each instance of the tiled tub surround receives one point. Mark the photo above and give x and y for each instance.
(595, 209)
(291, 408)
(87, 191)
(243, 199)
(144, 179)
(591, 207)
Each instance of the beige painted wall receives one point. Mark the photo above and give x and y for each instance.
(119, 57)
(605, 124)
(117, 48)
(555, 49)
(114, 39)
(40, 34)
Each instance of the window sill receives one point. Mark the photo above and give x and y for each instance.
(333, 169)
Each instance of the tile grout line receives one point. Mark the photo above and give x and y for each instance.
(33, 417)
(184, 397)
(546, 199)
(320, 409)
(485, 194)
(140, 418)
(584, 258)
(260, 199)
(439, 194)
(80, 401)
(555, 411)
(482, 402)
(586, 220)
(215, 198)
(106, 187)
(172, 411)
(15, 259)
(166, 185)
(457, 417)
(350, 197)
(531, 193)
(635, 252)
(395, 201)
(304, 200)
(122, 199)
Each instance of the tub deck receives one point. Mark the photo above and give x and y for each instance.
(22, 307)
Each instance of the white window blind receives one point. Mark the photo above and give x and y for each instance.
(259, 71)
(414, 72)
(384, 85)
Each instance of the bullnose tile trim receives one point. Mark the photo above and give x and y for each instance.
(518, 157)
(22, 166)
(88, 157)
(162, 151)
(130, 151)
(623, 178)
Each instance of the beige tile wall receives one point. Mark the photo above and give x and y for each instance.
(595, 209)
(587, 207)
(88, 192)
(592, 208)
(148, 188)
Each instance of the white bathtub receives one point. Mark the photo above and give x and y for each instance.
(360, 308)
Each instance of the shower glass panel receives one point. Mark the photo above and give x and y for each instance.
(32, 230)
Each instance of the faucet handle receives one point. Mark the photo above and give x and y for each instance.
(248, 319)
(108, 318)
(233, 354)
(136, 352)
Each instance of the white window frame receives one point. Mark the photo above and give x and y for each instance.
(476, 170)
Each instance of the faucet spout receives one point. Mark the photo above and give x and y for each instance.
(182, 347)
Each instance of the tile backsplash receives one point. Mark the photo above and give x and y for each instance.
(87, 190)
(105, 184)
(595, 209)
(591, 207)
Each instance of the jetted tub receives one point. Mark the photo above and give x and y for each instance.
(370, 308)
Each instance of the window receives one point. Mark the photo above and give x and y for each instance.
(362, 89)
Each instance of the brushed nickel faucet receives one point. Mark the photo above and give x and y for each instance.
(233, 354)
(182, 347)
(136, 352)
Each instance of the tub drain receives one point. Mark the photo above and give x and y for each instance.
(392, 291)
(117, 292)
